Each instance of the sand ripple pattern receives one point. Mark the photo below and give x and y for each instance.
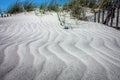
(38, 48)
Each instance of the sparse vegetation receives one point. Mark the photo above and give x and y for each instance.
(76, 7)
(29, 5)
(43, 7)
(15, 8)
(91, 3)
(52, 6)
(100, 3)
(21, 6)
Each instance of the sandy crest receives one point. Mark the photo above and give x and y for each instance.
(38, 48)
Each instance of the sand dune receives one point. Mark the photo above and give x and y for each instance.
(38, 48)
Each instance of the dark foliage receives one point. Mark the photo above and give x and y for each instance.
(53, 6)
(21, 6)
(15, 8)
(29, 5)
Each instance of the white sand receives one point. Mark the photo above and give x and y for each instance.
(38, 48)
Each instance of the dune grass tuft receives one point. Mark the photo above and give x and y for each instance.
(18, 7)
(43, 7)
(29, 5)
(15, 8)
(52, 6)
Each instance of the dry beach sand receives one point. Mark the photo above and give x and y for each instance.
(38, 48)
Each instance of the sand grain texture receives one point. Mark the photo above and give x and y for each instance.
(38, 48)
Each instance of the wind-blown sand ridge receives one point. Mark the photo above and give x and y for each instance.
(38, 48)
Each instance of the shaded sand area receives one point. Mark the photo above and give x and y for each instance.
(38, 48)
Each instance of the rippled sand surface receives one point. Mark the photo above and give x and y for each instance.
(38, 48)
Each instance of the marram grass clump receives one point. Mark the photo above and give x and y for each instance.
(52, 6)
(18, 7)
(29, 5)
(15, 8)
